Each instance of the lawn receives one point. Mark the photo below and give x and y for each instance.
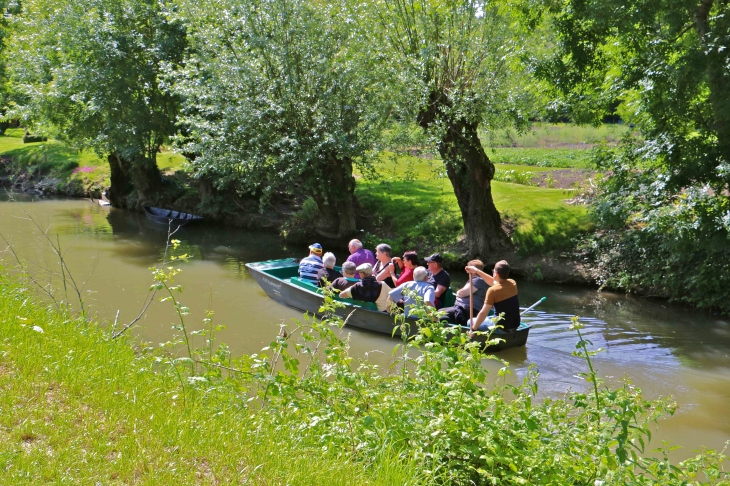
(413, 206)
(57, 160)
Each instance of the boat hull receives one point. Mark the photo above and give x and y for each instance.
(380, 322)
(168, 216)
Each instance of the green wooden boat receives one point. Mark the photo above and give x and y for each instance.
(280, 280)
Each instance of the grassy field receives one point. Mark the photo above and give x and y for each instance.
(556, 135)
(414, 206)
(79, 408)
(54, 159)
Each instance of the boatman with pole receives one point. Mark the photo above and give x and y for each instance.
(502, 295)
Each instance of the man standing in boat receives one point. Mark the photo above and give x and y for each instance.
(502, 295)
(368, 289)
(311, 268)
(359, 255)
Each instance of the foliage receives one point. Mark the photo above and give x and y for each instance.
(664, 210)
(279, 95)
(667, 62)
(654, 240)
(90, 73)
(435, 406)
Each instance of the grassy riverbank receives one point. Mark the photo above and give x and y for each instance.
(61, 169)
(79, 408)
(412, 205)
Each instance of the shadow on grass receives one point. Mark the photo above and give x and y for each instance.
(548, 229)
(46, 157)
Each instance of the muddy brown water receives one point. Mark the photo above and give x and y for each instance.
(665, 349)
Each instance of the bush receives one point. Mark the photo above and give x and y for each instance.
(435, 407)
(658, 241)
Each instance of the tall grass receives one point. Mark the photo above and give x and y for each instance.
(81, 408)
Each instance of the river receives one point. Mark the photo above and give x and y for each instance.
(665, 349)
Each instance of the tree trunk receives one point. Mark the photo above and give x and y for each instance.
(121, 182)
(338, 206)
(471, 173)
(133, 183)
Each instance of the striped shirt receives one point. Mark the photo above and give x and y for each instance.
(311, 269)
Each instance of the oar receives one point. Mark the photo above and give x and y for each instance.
(533, 306)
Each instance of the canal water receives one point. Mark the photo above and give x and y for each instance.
(665, 349)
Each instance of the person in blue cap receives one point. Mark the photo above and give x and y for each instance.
(311, 268)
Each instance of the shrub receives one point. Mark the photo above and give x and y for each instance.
(655, 240)
(434, 407)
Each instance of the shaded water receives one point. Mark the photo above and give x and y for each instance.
(665, 349)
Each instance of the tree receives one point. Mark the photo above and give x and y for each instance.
(663, 210)
(668, 62)
(89, 70)
(278, 98)
(461, 61)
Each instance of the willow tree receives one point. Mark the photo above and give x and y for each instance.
(89, 72)
(278, 98)
(460, 60)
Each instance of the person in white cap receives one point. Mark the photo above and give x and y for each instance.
(368, 289)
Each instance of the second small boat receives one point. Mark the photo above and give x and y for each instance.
(168, 216)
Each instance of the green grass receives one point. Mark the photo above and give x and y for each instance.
(79, 408)
(423, 213)
(549, 135)
(57, 160)
(542, 157)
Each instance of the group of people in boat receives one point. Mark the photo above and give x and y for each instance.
(384, 279)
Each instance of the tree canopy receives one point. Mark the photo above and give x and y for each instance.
(668, 63)
(279, 95)
(90, 71)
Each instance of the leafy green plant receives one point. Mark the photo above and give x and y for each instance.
(435, 406)
(655, 239)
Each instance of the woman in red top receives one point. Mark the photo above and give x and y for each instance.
(407, 265)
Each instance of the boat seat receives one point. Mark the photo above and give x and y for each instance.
(313, 288)
(450, 298)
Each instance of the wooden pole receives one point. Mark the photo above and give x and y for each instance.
(471, 300)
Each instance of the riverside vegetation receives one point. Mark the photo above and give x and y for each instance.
(79, 405)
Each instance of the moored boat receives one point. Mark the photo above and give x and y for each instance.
(280, 280)
(168, 216)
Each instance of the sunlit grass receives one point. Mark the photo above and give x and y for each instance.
(80, 408)
(423, 212)
(57, 160)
